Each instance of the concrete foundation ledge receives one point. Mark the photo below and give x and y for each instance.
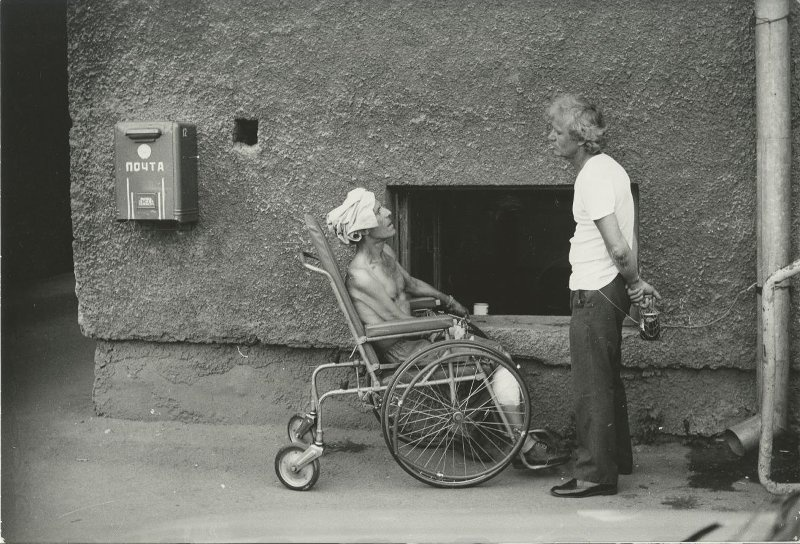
(257, 384)
(213, 383)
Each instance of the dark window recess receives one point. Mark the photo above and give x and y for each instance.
(508, 247)
(246, 131)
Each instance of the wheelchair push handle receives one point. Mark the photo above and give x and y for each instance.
(304, 255)
(314, 266)
(309, 260)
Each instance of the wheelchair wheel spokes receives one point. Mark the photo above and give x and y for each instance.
(423, 417)
(442, 420)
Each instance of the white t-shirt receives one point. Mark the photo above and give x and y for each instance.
(601, 188)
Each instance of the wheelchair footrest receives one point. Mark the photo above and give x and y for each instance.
(546, 452)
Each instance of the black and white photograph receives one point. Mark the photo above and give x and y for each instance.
(400, 271)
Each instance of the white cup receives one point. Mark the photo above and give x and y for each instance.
(480, 308)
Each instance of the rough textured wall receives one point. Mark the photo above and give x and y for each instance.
(212, 383)
(794, 34)
(384, 94)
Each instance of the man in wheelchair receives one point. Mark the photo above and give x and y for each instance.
(381, 288)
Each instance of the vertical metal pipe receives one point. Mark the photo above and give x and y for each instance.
(773, 165)
(773, 208)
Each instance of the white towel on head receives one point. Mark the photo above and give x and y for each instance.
(355, 214)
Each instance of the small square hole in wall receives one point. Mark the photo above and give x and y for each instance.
(245, 131)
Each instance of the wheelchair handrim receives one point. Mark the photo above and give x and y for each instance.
(392, 433)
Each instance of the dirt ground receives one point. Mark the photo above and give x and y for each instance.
(68, 475)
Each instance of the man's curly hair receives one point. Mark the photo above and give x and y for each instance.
(584, 121)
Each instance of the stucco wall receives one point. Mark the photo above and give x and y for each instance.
(382, 94)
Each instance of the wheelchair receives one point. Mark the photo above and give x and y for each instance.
(439, 410)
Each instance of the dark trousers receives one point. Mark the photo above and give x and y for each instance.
(601, 409)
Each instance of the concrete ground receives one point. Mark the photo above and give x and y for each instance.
(68, 475)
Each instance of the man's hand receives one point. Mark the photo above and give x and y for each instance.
(639, 290)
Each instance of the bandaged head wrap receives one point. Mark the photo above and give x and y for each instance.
(357, 213)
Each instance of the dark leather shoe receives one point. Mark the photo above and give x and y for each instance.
(570, 489)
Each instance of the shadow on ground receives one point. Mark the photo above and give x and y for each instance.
(714, 466)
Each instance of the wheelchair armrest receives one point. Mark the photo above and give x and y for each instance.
(424, 303)
(410, 326)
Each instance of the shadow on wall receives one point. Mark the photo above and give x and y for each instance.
(36, 229)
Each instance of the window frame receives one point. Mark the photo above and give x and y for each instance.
(399, 197)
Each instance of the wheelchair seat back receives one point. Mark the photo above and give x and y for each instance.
(328, 262)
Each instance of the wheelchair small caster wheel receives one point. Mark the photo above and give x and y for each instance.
(294, 477)
(293, 430)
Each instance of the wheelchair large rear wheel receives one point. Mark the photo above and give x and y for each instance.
(443, 420)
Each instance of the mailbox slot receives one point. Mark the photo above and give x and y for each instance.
(143, 134)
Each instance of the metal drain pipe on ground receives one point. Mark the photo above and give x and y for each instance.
(773, 209)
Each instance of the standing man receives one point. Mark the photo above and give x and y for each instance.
(604, 281)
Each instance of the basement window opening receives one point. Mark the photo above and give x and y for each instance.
(246, 131)
(505, 246)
